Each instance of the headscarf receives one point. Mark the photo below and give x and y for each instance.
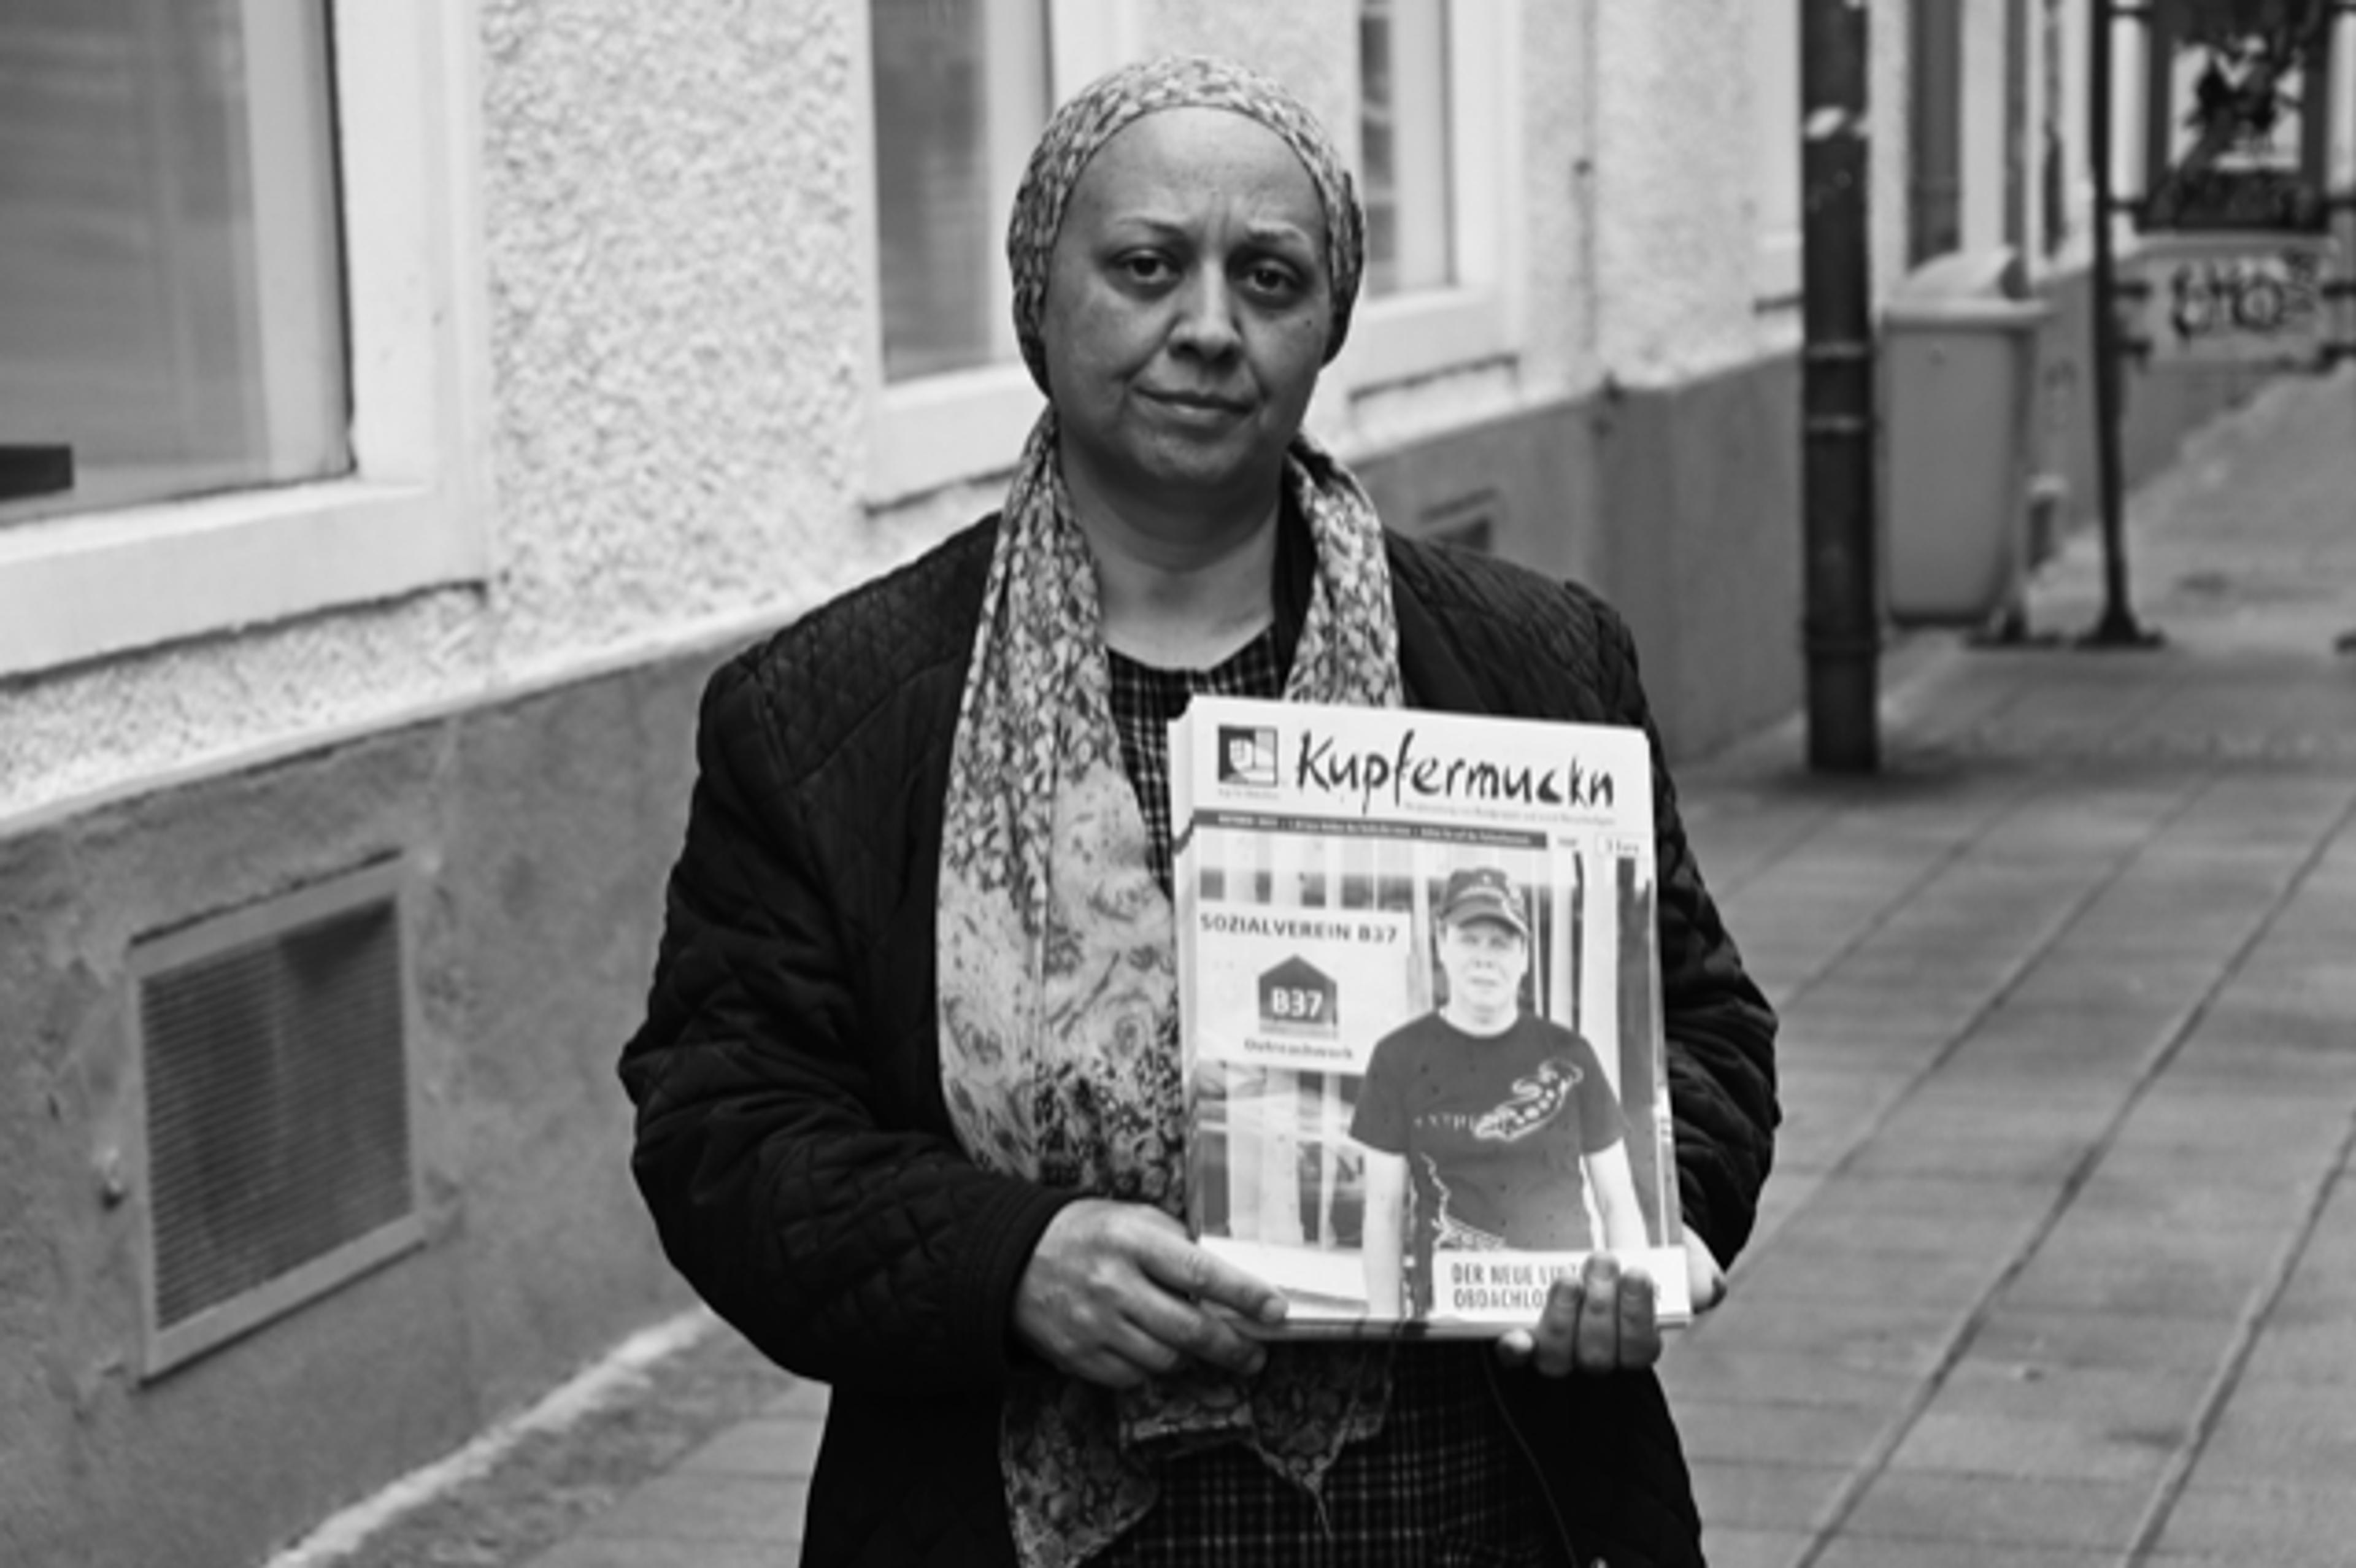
(1059, 1038)
(1079, 130)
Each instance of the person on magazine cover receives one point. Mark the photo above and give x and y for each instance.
(908, 1104)
(1504, 1121)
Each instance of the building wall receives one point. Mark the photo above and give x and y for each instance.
(678, 356)
(536, 833)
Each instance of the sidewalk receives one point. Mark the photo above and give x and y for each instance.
(2057, 1268)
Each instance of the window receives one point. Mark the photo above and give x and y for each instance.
(171, 294)
(1935, 132)
(2057, 138)
(961, 96)
(1438, 160)
(1972, 136)
(238, 233)
(1404, 131)
(960, 90)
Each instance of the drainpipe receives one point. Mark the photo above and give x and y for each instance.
(1841, 626)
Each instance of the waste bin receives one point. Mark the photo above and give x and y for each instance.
(1959, 391)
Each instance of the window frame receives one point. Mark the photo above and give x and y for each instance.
(1421, 333)
(411, 513)
(929, 433)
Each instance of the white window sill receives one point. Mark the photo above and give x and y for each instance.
(80, 588)
(944, 429)
(1406, 337)
(1776, 279)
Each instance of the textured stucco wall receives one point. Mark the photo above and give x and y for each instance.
(1673, 162)
(677, 315)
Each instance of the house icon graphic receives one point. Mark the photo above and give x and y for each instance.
(1298, 998)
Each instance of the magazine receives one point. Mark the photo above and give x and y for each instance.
(1419, 1002)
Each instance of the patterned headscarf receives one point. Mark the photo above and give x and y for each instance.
(1103, 108)
(1059, 1037)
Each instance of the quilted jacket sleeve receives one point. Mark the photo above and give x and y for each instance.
(1720, 1030)
(790, 1183)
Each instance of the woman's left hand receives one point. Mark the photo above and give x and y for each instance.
(1602, 1320)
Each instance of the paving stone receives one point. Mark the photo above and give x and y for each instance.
(599, 1551)
(1843, 1331)
(1740, 1548)
(1808, 1022)
(1776, 1431)
(2158, 988)
(1945, 1105)
(2036, 1448)
(2105, 1039)
(1998, 1511)
(1857, 1550)
(2298, 1433)
(779, 1447)
(2169, 1277)
(2059, 1340)
(1807, 1269)
(2132, 1196)
(1747, 1373)
(1899, 1206)
(704, 1506)
(2274, 1525)
(1737, 1494)
(2269, 1141)
(2032, 1419)
(1956, 1153)
(2299, 1345)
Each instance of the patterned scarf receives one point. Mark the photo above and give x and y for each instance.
(1058, 1000)
(1058, 997)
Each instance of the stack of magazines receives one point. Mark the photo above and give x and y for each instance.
(1420, 1006)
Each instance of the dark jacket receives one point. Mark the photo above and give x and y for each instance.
(792, 1138)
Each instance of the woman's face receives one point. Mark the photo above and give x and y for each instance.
(1186, 312)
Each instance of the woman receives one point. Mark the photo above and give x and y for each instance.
(908, 1093)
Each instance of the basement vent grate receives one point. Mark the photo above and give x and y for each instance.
(279, 1158)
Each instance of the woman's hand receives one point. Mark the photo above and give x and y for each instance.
(1602, 1321)
(1115, 1292)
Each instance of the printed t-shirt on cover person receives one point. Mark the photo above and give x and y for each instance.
(1495, 1128)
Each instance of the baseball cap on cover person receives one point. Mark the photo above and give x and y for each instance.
(1482, 893)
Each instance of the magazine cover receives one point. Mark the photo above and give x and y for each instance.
(1420, 1008)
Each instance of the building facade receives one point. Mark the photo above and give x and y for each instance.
(448, 385)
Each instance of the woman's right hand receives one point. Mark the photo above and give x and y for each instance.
(1115, 1293)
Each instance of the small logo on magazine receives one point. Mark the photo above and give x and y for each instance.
(1296, 998)
(1247, 755)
